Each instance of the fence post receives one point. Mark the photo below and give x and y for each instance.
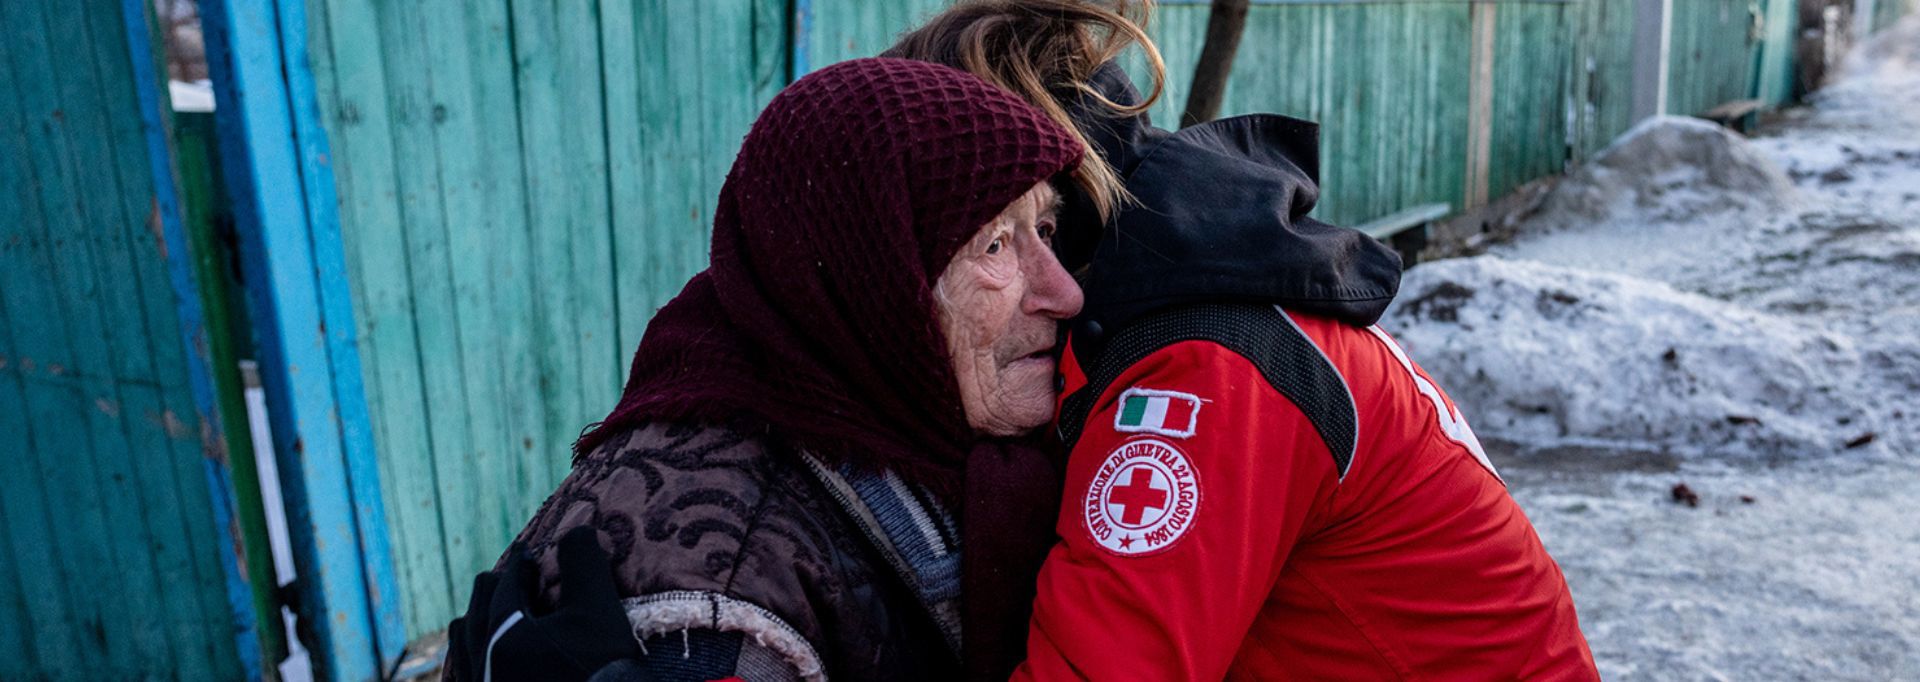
(1652, 40)
(1480, 102)
(230, 481)
(1863, 15)
(274, 159)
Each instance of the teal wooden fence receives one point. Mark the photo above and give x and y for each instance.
(127, 517)
(1885, 12)
(521, 184)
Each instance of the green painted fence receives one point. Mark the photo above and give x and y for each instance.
(521, 184)
(1391, 124)
(1599, 99)
(1885, 12)
(129, 521)
(1713, 54)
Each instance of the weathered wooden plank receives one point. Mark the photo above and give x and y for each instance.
(1485, 17)
(17, 656)
(81, 436)
(847, 29)
(602, 370)
(348, 40)
(663, 213)
(621, 83)
(264, 170)
(1600, 73)
(43, 625)
(15, 623)
(338, 337)
(564, 145)
(1530, 119)
(1780, 24)
(52, 638)
(403, 27)
(524, 434)
(120, 199)
(1712, 59)
(466, 62)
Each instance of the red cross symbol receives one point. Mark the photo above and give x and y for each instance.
(1137, 496)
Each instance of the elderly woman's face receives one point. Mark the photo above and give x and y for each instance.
(1000, 300)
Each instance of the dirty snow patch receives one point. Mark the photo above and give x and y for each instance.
(1548, 356)
(1672, 169)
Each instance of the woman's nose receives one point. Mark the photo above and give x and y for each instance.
(1052, 292)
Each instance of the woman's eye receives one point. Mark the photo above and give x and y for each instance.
(993, 247)
(1047, 232)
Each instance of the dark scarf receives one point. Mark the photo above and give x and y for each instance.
(815, 319)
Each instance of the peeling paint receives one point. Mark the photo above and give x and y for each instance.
(154, 226)
(175, 428)
(107, 407)
(56, 369)
(212, 445)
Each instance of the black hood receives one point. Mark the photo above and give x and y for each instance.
(1221, 215)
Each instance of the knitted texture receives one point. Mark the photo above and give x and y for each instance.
(815, 319)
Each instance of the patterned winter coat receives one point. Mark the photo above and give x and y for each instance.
(738, 557)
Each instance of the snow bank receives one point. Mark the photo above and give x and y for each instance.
(1858, 145)
(1548, 356)
(1791, 301)
(1670, 168)
(1893, 52)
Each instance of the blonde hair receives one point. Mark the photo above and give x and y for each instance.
(1041, 50)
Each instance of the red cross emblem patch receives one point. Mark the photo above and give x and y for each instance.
(1142, 499)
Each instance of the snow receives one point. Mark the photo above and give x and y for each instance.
(1554, 356)
(196, 96)
(1741, 316)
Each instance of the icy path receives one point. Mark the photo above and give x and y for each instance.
(1741, 317)
(1818, 578)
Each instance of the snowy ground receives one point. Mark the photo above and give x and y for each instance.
(1741, 317)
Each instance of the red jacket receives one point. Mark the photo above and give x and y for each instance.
(1314, 510)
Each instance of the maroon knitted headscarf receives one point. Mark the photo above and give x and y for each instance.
(815, 319)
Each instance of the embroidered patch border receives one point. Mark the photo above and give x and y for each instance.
(1136, 412)
(1142, 500)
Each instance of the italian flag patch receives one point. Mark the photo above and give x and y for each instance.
(1148, 410)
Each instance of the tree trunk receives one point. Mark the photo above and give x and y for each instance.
(1225, 23)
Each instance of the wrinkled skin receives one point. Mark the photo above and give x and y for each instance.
(1000, 301)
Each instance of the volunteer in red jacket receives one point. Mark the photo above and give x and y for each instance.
(1261, 484)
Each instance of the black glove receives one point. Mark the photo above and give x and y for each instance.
(587, 630)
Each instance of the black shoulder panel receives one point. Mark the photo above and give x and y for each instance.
(1262, 334)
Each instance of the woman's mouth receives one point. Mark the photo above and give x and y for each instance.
(1044, 355)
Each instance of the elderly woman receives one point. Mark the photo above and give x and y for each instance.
(777, 489)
